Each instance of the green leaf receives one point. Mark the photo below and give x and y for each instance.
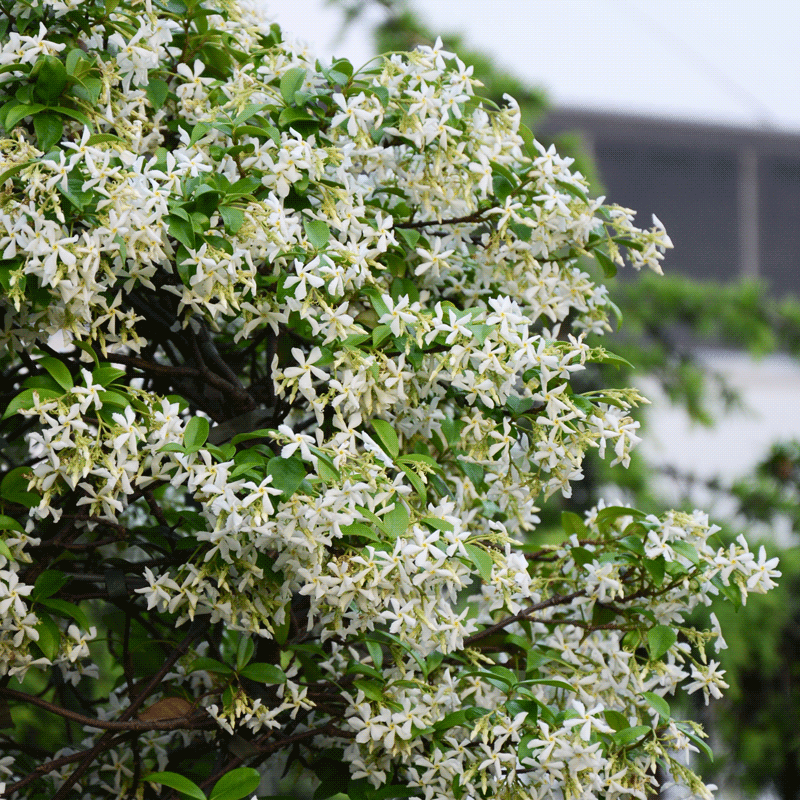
(687, 550)
(103, 138)
(658, 703)
(482, 560)
(656, 567)
(10, 524)
(581, 556)
(608, 266)
(612, 513)
(232, 217)
(387, 437)
(20, 112)
(550, 682)
(291, 83)
(58, 371)
(375, 651)
(24, 400)
(88, 89)
(616, 720)
(209, 665)
(420, 458)
(71, 112)
(5, 550)
(14, 488)
(15, 170)
(461, 717)
(76, 62)
(416, 482)
(698, 740)
(106, 374)
(177, 782)
(157, 92)
(245, 651)
(394, 790)
(236, 784)
(318, 232)
(69, 610)
(396, 520)
(659, 640)
(572, 523)
(380, 335)
(49, 130)
(51, 78)
(264, 673)
(49, 636)
(409, 235)
(371, 689)
(181, 230)
(287, 474)
(47, 584)
(196, 434)
(628, 736)
(296, 118)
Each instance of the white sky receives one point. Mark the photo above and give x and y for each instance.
(733, 61)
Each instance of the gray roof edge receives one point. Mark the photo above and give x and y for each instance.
(623, 127)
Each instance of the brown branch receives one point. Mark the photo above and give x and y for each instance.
(195, 721)
(555, 600)
(475, 216)
(49, 766)
(154, 366)
(197, 627)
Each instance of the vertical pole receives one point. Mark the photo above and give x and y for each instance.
(747, 190)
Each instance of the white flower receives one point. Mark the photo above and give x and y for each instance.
(397, 317)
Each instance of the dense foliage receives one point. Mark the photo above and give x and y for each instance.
(666, 317)
(290, 361)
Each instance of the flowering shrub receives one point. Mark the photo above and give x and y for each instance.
(289, 351)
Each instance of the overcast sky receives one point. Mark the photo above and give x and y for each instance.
(731, 61)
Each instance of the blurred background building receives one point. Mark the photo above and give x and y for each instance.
(729, 196)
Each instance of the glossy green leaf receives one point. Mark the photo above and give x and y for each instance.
(236, 784)
(608, 266)
(291, 81)
(195, 434)
(47, 584)
(318, 233)
(69, 610)
(628, 736)
(49, 129)
(387, 438)
(106, 374)
(659, 639)
(572, 523)
(18, 113)
(49, 636)
(287, 474)
(177, 782)
(25, 400)
(264, 673)
(209, 665)
(396, 520)
(10, 524)
(232, 217)
(58, 370)
(658, 703)
(482, 560)
(157, 92)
